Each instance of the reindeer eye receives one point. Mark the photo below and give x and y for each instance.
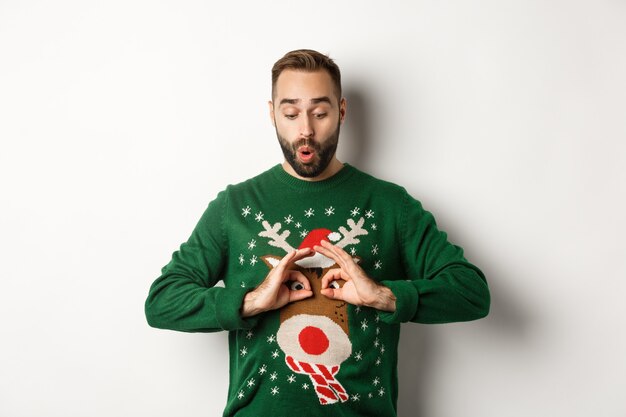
(334, 284)
(295, 286)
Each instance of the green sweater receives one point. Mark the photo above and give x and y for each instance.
(316, 356)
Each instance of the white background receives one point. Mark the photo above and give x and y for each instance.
(121, 120)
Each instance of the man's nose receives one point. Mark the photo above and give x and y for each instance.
(306, 128)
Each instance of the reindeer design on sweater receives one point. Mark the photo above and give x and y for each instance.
(314, 332)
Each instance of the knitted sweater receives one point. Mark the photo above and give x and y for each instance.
(316, 356)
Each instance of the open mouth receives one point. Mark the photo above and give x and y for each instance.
(306, 154)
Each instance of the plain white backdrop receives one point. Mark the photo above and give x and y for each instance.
(121, 120)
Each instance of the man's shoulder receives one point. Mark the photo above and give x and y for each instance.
(376, 184)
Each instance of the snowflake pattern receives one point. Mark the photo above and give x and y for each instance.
(374, 227)
(378, 361)
(329, 211)
(243, 284)
(252, 244)
(243, 352)
(298, 225)
(259, 216)
(289, 219)
(246, 211)
(263, 369)
(358, 356)
(381, 392)
(240, 395)
(249, 334)
(374, 249)
(356, 397)
(273, 376)
(271, 338)
(378, 264)
(353, 251)
(253, 260)
(309, 213)
(242, 259)
(291, 378)
(369, 395)
(250, 382)
(364, 324)
(376, 381)
(275, 354)
(355, 211)
(304, 233)
(369, 214)
(275, 391)
(305, 386)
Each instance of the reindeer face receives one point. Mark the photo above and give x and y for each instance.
(314, 330)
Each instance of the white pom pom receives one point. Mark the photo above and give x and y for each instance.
(334, 236)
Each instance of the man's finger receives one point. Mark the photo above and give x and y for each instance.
(334, 293)
(292, 275)
(299, 295)
(291, 257)
(333, 275)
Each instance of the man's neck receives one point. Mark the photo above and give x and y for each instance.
(333, 167)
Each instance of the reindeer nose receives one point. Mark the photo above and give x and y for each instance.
(313, 340)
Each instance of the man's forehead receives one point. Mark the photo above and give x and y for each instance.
(304, 87)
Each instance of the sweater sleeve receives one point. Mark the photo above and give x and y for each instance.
(444, 287)
(185, 297)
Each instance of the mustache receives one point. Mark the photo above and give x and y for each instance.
(306, 142)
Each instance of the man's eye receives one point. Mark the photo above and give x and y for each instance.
(334, 284)
(320, 115)
(291, 116)
(296, 286)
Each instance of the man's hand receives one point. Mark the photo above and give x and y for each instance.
(273, 293)
(359, 289)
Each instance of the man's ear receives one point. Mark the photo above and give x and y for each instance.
(272, 117)
(343, 104)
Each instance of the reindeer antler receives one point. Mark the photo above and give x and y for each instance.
(277, 240)
(349, 237)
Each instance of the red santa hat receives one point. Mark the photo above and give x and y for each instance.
(315, 238)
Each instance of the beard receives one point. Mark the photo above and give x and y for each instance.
(324, 153)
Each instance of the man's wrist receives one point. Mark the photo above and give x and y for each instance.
(385, 300)
(248, 307)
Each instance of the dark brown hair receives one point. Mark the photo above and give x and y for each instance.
(307, 60)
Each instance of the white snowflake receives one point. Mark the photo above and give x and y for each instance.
(364, 324)
(305, 386)
(243, 284)
(271, 338)
(382, 349)
(377, 329)
(376, 381)
(378, 264)
(240, 395)
(244, 351)
(353, 251)
(309, 213)
(249, 334)
(369, 395)
(259, 216)
(263, 369)
(381, 392)
(252, 244)
(298, 225)
(357, 310)
(275, 390)
(242, 260)
(304, 233)
(251, 382)
(253, 260)
(329, 211)
(273, 376)
(369, 214)
(377, 319)
(291, 378)
(378, 361)
(289, 219)
(355, 211)
(275, 354)
(356, 397)
(245, 211)
(376, 342)
(375, 249)
(358, 356)
(374, 227)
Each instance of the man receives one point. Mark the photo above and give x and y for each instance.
(321, 263)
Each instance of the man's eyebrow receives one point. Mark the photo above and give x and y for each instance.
(315, 100)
